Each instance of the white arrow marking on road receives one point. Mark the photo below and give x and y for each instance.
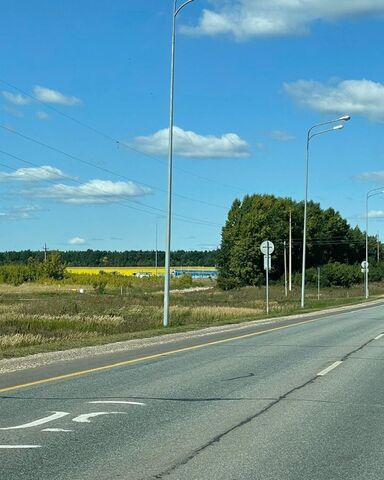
(327, 370)
(41, 421)
(20, 446)
(379, 336)
(84, 418)
(118, 401)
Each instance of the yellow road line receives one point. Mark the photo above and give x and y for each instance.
(148, 357)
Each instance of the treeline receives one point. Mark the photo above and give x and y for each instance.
(104, 258)
(33, 270)
(330, 239)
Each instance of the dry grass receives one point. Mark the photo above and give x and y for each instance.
(41, 317)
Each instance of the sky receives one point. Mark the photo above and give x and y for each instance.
(84, 112)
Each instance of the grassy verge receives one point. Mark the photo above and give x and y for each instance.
(36, 318)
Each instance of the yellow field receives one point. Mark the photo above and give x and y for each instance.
(130, 271)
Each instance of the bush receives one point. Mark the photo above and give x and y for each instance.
(335, 274)
(184, 281)
(227, 283)
(99, 286)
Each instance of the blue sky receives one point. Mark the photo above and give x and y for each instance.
(89, 80)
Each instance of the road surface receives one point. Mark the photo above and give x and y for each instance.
(301, 401)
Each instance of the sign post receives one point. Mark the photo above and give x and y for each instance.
(267, 248)
(365, 270)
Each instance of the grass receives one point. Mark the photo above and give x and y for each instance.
(36, 318)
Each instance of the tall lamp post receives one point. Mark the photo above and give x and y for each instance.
(311, 135)
(370, 193)
(167, 276)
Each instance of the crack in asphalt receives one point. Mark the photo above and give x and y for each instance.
(247, 420)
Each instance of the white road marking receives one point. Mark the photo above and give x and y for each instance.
(328, 369)
(19, 446)
(41, 421)
(56, 430)
(379, 336)
(124, 402)
(84, 418)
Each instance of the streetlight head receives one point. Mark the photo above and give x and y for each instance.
(338, 127)
(345, 118)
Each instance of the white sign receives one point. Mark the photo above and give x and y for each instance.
(364, 264)
(267, 262)
(267, 247)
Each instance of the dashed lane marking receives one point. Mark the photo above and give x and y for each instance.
(328, 369)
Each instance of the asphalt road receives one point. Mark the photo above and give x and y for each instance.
(248, 408)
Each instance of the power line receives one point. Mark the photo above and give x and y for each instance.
(103, 169)
(179, 217)
(112, 139)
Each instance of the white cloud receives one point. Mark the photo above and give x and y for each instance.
(16, 98)
(244, 19)
(33, 174)
(354, 97)
(371, 176)
(91, 193)
(191, 144)
(76, 241)
(281, 136)
(19, 213)
(49, 95)
(41, 115)
(375, 214)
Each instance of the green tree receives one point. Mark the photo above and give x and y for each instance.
(260, 217)
(53, 267)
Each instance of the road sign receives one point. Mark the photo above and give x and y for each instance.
(364, 264)
(365, 270)
(267, 247)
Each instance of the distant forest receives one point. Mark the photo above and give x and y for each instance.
(129, 258)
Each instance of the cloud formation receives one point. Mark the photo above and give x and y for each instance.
(42, 94)
(371, 176)
(281, 136)
(33, 174)
(375, 214)
(191, 144)
(41, 115)
(76, 241)
(94, 192)
(354, 97)
(244, 19)
(48, 95)
(16, 98)
(19, 213)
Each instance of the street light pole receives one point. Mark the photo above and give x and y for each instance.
(167, 275)
(370, 193)
(311, 135)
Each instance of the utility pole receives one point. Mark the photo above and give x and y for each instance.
(45, 252)
(318, 283)
(290, 251)
(378, 248)
(285, 269)
(156, 252)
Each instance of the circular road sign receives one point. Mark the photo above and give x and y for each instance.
(267, 247)
(364, 264)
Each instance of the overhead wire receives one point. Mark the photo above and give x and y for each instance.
(177, 216)
(103, 169)
(111, 138)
